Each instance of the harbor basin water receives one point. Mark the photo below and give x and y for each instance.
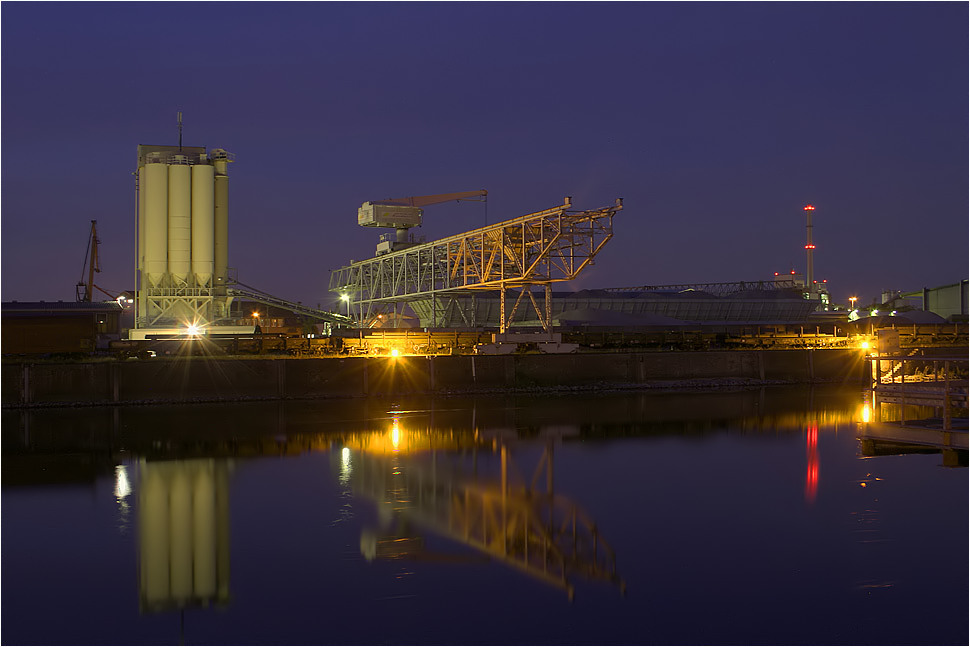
(725, 517)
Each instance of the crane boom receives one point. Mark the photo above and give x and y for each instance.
(425, 200)
(84, 289)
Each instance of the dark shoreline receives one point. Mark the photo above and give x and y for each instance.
(173, 381)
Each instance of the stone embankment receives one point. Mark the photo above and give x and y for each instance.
(197, 379)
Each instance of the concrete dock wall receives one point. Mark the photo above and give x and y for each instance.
(202, 379)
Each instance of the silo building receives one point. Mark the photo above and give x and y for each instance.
(183, 236)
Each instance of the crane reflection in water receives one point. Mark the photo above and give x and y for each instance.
(447, 483)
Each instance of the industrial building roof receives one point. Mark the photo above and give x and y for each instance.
(52, 307)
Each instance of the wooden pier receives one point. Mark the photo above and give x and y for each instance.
(917, 402)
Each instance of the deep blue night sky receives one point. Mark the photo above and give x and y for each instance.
(716, 122)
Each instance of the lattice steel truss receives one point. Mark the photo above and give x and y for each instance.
(533, 250)
(179, 306)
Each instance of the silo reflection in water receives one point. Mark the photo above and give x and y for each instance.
(183, 534)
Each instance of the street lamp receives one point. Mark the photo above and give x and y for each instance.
(852, 301)
(346, 299)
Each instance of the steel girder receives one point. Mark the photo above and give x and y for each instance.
(536, 249)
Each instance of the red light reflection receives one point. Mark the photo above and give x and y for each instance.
(811, 473)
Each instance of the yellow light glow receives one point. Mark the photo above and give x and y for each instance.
(865, 413)
(395, 352)
(122, 485)
(256, 315)
(346, 467)
(395, 435)
(193, 330)
(864, 345)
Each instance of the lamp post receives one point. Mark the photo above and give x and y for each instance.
(852, 301)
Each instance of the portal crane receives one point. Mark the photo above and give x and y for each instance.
(403, 213)
(84, 290)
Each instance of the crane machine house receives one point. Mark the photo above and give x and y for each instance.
(401, 214)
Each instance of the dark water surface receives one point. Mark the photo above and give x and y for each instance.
(628, 518)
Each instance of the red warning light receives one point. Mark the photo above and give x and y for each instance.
(776, 273)
(809, 246)
(793, 271)
(809, 207)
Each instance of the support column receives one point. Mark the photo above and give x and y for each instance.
(115, 380)
(549, 308)
(281, 378)
(947, 412)
(25, 396)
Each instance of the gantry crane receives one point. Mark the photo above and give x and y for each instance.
(421, 481)
(537, 249)
(403, 213)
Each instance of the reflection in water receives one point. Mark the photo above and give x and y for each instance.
(346, 466)
(122, 491)
(695, 491)
(346, 511)
(443, 483)
(811, 473)
(183, 534)
(898, 427)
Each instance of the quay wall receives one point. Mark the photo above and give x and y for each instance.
(209, 379)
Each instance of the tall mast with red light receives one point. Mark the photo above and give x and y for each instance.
(809, 249)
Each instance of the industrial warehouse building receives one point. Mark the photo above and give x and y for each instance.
(59, 327)
(617, 307)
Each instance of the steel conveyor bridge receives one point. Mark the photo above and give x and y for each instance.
(242, 291)
(537, 249)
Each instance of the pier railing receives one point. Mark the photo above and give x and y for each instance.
(920, 391)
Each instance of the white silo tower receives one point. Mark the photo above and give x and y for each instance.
(183, 227)
(203, 228)
(179, 221)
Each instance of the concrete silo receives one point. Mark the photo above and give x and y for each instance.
(220, 161)
(179, 221)
(203, 227)
(183, 226)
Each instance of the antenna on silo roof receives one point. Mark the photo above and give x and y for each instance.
(180, 131)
